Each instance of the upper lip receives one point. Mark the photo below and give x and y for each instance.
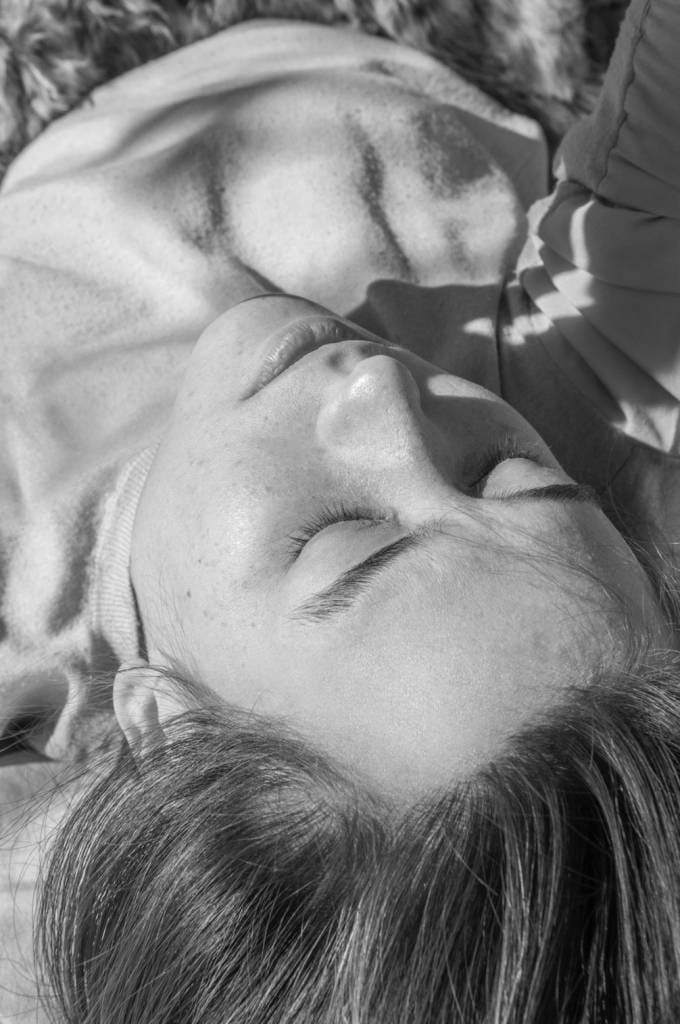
(294, 340)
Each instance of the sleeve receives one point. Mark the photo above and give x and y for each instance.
(604, 262)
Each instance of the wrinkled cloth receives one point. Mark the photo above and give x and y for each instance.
(368, 178)
(259, 159)
(263, 158)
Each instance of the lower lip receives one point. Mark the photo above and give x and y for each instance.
(290, 343)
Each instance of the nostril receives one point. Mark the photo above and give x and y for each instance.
(385, 374)
(377, 385)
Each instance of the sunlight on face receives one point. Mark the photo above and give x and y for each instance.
(337, 532)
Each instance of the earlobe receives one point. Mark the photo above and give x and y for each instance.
(143, 701)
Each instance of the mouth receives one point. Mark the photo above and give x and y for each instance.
(290, 343)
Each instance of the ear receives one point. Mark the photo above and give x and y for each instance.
(144, 700)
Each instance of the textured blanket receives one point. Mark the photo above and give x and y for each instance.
(539, 57)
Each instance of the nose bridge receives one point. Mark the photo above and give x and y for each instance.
(372, 420)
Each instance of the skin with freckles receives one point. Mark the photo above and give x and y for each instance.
(389, 557)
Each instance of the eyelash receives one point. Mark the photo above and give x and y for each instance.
(328, 515)
(504, 448)
(339, 512)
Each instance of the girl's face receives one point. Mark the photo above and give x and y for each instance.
(336, 532)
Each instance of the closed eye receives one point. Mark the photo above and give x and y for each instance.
(331, 514)
(505, 448)
(343, 591)
(502, 450)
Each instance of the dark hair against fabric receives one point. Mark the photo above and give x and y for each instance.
(237, 876)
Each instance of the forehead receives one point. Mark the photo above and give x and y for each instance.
(435, 670)
(458, 646)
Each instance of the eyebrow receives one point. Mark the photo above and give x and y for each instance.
(342, 592)
(557, 492)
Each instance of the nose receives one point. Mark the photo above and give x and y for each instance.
(373, 418)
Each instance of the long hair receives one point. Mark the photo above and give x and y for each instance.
(236, 876)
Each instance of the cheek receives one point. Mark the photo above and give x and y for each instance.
(221, 605)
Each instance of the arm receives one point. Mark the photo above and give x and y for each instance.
(608, 239)
(627, 152)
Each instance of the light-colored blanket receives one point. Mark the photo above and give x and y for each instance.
(113, 290)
